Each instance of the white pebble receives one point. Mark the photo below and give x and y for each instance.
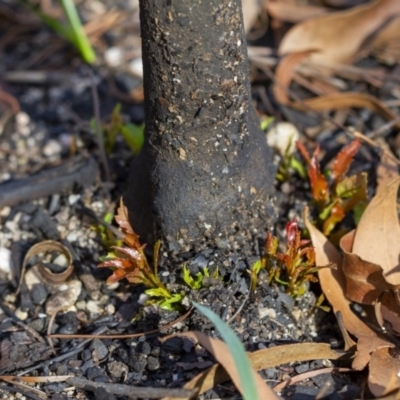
(93, 307)
(22, 315)
(136, 67)
(22, 119)
(5, 260)
(281, 134)
(73, 198)
(114, 56)
(52, 148)
(61, 260)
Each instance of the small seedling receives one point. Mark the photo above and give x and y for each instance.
(338, 194)
(197, 283)
(132, 134)
(289, 164)
(130, 262)
(72, 30)
(291, 269)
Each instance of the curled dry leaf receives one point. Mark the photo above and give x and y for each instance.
(285, 72)
(383, 372)
(340, 36)
(333, 285)
(48, 246)
(377, 238)
(387, 169)
(365, 282)
(337, 101)
(293, 12)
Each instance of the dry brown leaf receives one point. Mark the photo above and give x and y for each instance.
(387, 169)
(336, 101)
(284, 74)
(364, 280)
(332, 280)
(333, 286)
(383, 372)
(377, 238)
(293, 12)
(266, 358)
(251, 9)
(339, 36)
(223, 355)
(391, 31)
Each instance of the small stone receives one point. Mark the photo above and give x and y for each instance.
(110, 309)
(63, 300)
(72, 236)
(52, 148)
(266, 312)
(136, 67)
(302, 368)
(61, 260)
(94, 372)
(117, 369)
(73, 198)
(22, 315)
(90, 283)
(5, 260)
(38, 324)
(93, 307)
(143, 348)
(153, 363)
(100, 347)
(280, 135)
(39, 293)
(114, 56)
(22, 119)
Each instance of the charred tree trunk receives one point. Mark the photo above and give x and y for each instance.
(205, 174)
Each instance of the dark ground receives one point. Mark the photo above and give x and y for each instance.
(52, 130)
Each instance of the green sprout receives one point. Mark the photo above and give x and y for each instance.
(196, 283)
(132, 134)
(72, 30)
(130, 262)
(291, 269)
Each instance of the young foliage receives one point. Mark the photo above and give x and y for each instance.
(132, 134)
(197, 283)
(337, 196)
(293, 268)
(72, 30)
(130, 262)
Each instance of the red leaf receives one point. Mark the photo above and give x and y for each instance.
(319, 185)
(344, 159)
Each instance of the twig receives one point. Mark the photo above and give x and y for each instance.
(61, 357)
(240, 308)
(77, 171)
(99, 131)
(123, 336)
(132, 391)
(307, 375)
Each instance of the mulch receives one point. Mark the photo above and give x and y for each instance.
(52, 187)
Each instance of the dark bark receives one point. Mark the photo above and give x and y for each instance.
(205, 173)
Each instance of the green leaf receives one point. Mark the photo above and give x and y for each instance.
(133, 136)
(238, 352)
(297, 166)
(79, 37)
(158, 292)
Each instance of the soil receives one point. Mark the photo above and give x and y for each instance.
(45, 114)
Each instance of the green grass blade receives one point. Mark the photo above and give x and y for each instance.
(239, 354)
(80, 40)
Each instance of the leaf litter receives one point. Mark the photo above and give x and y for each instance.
(368, 273)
